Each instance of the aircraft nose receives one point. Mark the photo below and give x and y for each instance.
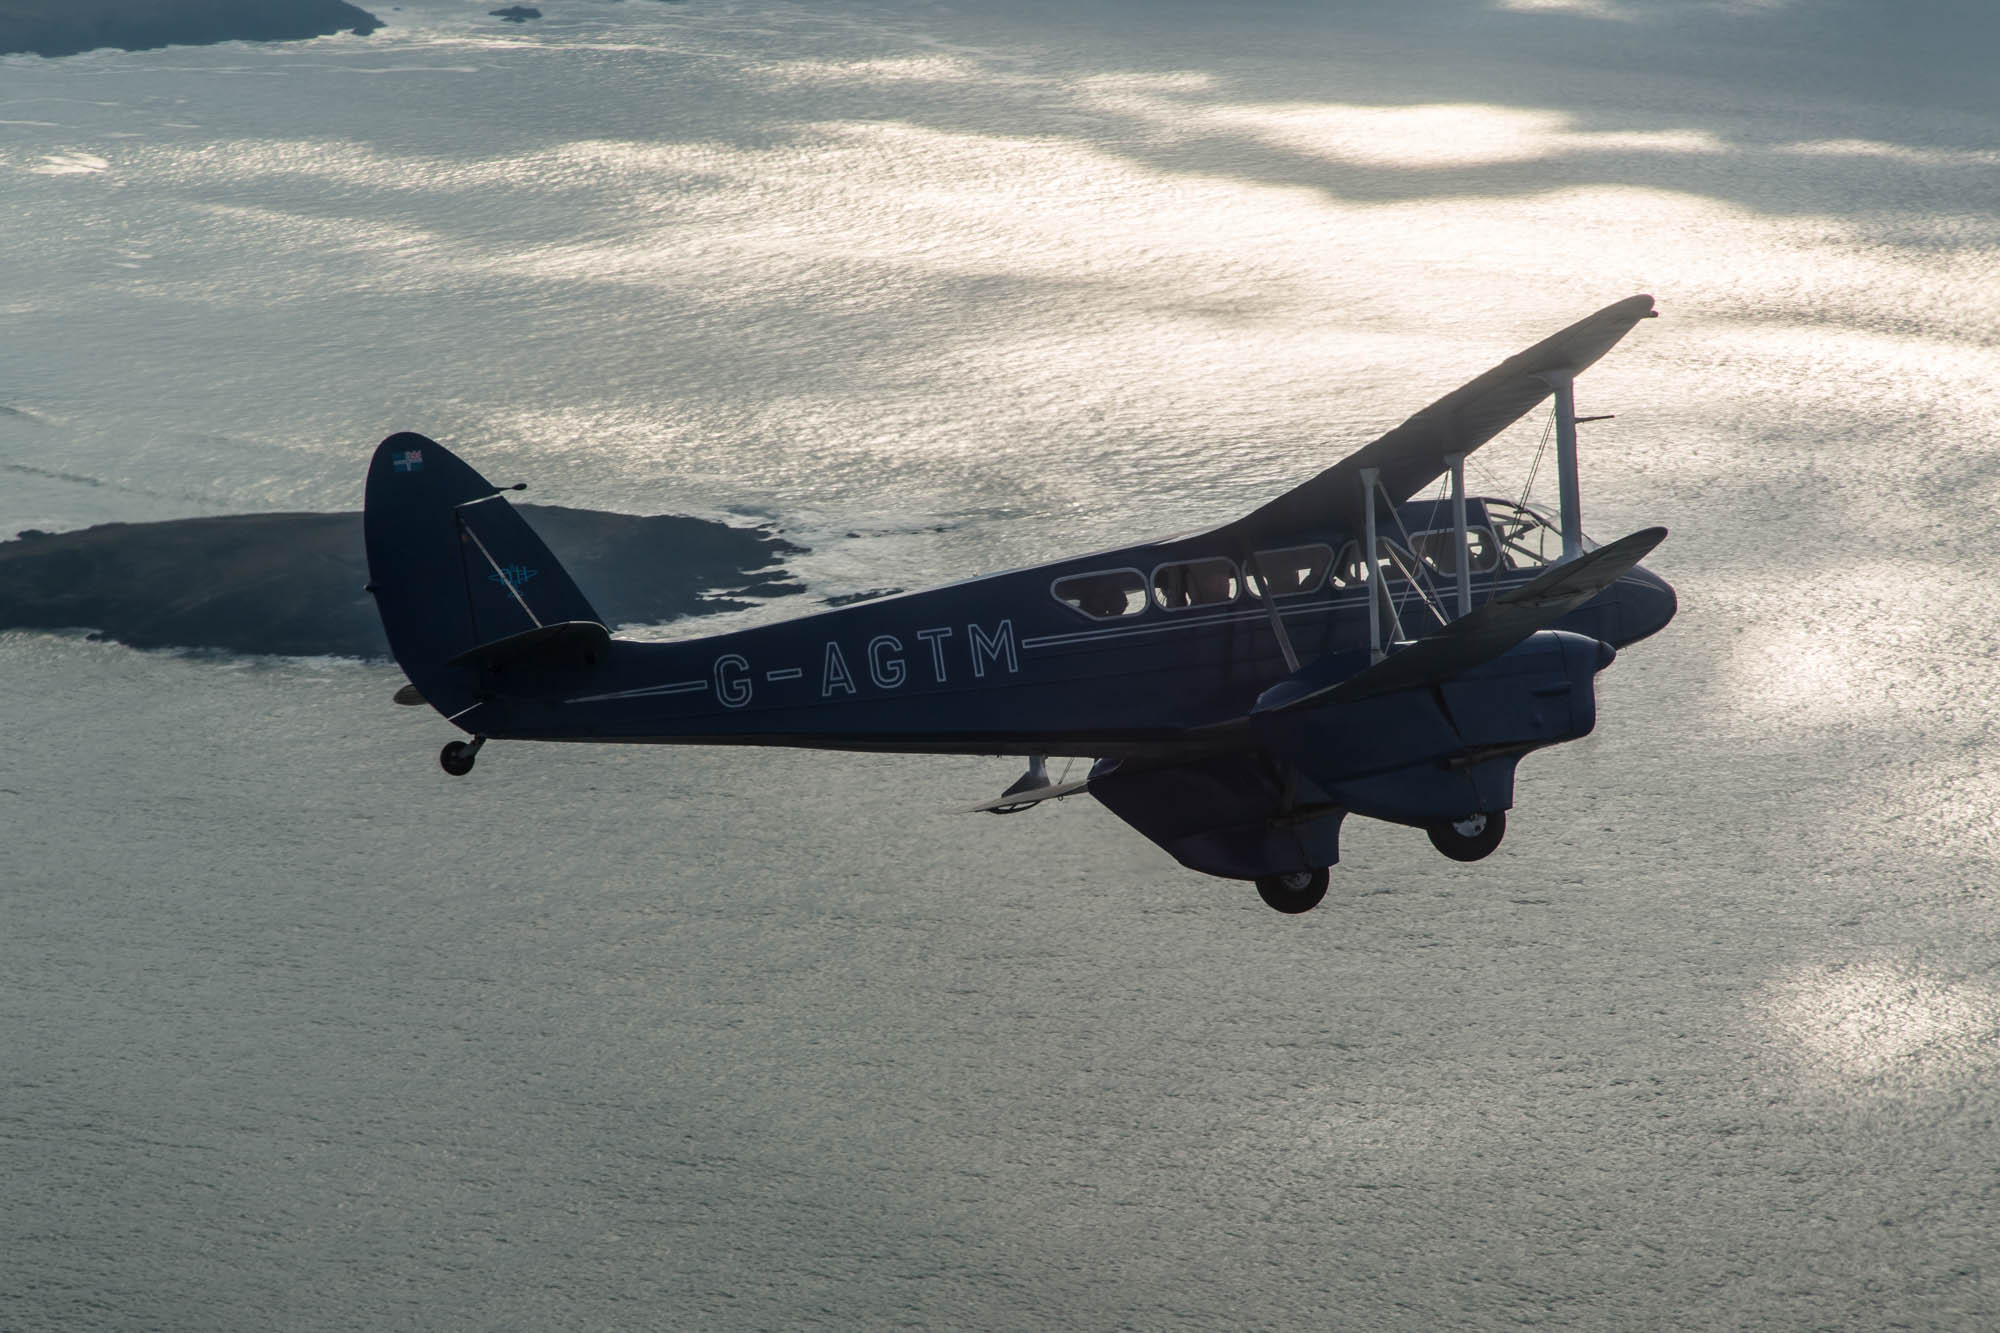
(1646, 604)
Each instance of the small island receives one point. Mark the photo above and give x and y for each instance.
(68, 27)
(516, 13)
(293, 584)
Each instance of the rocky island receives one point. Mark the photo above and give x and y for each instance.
(292, 584)
(67, 27)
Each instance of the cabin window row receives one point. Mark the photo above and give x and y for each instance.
(1108, 594)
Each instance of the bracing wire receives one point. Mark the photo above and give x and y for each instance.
(1415, 577)
(1541, 450)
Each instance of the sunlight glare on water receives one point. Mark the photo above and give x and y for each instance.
(306, 1034)
(1887, 1024)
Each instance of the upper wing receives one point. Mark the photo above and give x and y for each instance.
(1413, 455)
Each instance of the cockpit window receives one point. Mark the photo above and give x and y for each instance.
(1187, 583)
(1103, 594)
(1439, 549)
(1294, 570)
(1528, 537)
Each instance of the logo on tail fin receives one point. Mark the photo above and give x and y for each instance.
(411, 461)
(512, 575)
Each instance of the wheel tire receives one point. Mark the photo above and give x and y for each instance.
(456, 759)
(1469, 837)
(1299, 891)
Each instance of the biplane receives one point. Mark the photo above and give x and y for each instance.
(1352, 647)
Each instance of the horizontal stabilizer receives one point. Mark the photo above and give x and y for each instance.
(1486, 633)
(1020, 800)
(571, 643)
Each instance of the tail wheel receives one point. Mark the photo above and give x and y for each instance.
(456, 758)
(1299, 891)
(1469, 837)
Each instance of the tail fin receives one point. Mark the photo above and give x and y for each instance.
(458, 575)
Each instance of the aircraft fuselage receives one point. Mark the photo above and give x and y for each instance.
(999, 665)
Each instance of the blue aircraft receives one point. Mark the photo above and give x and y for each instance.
(1347, 649)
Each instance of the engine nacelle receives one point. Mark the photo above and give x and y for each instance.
(1445, 750)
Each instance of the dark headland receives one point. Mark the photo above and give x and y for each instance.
(66, 27)
(292, 584)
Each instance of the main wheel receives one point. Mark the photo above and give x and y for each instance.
(456, 758)
(1299, 891)
(1469, 837)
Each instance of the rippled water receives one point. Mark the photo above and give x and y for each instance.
(303, 1034)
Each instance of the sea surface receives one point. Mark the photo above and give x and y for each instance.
(300, 1033)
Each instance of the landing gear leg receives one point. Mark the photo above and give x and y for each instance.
(456, 758)
(1299, 891)
(1469, 837)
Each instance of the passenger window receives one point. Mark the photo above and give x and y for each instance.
(1347, 571)
(1103, 594)
(1297, 569)
(1211, 582)
(1352, 571)
(1439, 549)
